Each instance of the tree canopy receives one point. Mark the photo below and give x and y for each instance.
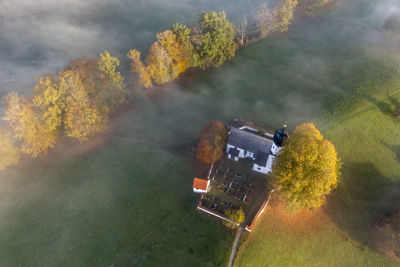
(307, 168)
(212, 142)
(266, 19)
(285, 13)
(236, 216)
(77, 102)
(217, 41)
(35, 128)
(143, 78)
(310, 5)
(82, 118)
(9, 154)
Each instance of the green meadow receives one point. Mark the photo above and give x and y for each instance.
(129, 202)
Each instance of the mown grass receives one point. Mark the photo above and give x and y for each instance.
(368, 145)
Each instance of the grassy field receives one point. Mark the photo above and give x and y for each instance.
(88, 211)
(368, 145)
(130, 201)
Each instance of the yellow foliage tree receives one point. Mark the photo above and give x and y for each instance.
(139, 68)
(236, 217)
(159, 63)
(9, 154)
(183, 37)
(82, 118)
(180, 60)
(307, 168)
(35, 129)
(113, 92)
(49, 101)
(285, 13)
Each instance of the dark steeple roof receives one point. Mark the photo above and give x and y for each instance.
(280, 136)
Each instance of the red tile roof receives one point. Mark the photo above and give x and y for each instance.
(200, 184)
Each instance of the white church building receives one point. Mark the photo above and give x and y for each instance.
(262, 150)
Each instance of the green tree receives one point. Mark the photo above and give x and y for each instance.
(113, 92)
(212, 142)
(183, 36)
(217, 42)
(236, 217)
(9, 154)
(82, 118)
(307, 168)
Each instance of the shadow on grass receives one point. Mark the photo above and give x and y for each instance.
(362, 197)
(394, 148)
(386, 106)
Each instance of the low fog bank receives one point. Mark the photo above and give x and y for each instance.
(43, 36)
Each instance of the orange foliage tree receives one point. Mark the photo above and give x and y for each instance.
(212, 142)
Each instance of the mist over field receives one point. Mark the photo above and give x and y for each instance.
(91, 204)
(44, 36)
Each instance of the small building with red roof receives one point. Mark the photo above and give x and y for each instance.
(200, 185)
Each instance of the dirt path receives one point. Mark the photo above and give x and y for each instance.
(235, 245)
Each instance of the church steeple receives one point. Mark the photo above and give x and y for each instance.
(279, 137)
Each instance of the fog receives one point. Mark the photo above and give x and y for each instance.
(43, 36)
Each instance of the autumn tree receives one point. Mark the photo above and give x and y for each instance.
(183, 37)
(9, 154)
(82, 118)
(159, 63)
(170, 55)
(35, 128)
(212, 142)
(112, 93)
(49, 102)
(217, 41)
(307, 169)
(143, 77)
(266, 19)
(103, 83)
(311, 5)
(236, 216)
(285, 13)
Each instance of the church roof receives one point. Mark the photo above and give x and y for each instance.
(249, 141)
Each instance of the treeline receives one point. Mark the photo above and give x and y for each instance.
(211, 44)
(77, 101)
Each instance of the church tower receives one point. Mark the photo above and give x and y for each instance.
(279, 137)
